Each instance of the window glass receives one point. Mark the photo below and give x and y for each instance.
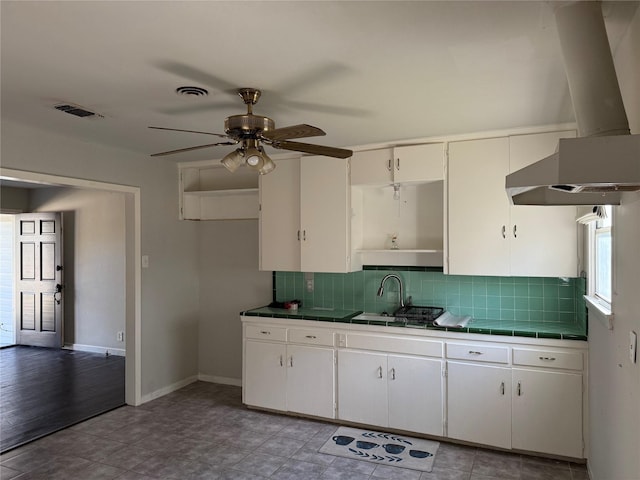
(603, 257)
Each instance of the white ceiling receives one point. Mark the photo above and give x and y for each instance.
(365, 71)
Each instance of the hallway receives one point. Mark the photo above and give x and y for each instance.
(43, 390)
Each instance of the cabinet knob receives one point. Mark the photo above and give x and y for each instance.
(393, 374)
(515, 234)
(291, 361)
(504, 231)
(380, 371)
(389, 164)
(281, 362)
(398, 164)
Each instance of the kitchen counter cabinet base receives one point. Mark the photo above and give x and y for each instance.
(523, 394)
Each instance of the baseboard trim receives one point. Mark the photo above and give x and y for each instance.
(95, 349)
(168, 389)
(236, 382)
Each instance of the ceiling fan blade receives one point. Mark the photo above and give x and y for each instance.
(294, 131)
(222, 135)
(188, 149)
(313, 149)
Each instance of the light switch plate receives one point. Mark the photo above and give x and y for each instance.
(633, 346)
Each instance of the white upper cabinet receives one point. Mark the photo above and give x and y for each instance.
(544, 238)
(407, 164)
(489, 236)
(304, 216)
(279, 222)
(478, 218)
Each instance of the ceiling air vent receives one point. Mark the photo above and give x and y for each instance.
(192, 91)
(76, 110)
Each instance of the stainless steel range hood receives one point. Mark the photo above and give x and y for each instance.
(604, 160)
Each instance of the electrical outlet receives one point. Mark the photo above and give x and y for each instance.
(308, 279)
(120, 336)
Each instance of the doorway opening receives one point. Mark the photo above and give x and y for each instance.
(132, 269)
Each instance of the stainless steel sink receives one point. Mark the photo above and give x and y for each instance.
(376, 317)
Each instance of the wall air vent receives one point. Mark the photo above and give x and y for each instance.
(76, 110)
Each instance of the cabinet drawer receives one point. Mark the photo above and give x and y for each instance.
(410, 346)
(549, 359)
(277, 334)
(311, 337)
(478, 353)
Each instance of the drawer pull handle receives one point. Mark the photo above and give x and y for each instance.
(502, 388)
(311, 336)
(281, 363)
(519, 389)
(380, 372)
(550, 359)
(504, 231)
(265, 332)
(472, 352)
(393, 374)
(291, 361)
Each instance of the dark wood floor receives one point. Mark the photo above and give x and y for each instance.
(43, 390)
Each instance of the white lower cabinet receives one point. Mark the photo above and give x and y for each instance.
(524, 396)
(547, 412)
(294, 378)
(397, 391)
(479, 403)
(265, 378)
(362, 387)
(531, 409)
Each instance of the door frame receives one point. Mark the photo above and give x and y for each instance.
(133, 272)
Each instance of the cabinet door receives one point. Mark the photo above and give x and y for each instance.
(415, 394)
(372, 167)
(362, 387)
(547, 412)
(264, 382)
(280, 217)
(478, 220)
(311, 380)
(418, 163)
(479, 403)
(325, 214)
(543, 238)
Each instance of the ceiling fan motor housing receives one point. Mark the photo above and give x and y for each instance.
(247, 125)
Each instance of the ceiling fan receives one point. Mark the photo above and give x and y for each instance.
(251, 131)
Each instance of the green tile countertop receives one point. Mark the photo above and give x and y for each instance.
(513, 328)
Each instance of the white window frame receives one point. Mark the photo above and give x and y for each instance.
(598, 305)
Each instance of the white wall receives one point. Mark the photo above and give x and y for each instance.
(614, 388)
(94, 261)
(169, 308)
(230, 282)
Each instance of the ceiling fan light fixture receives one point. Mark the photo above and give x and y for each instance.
(269, 165)
(233, 160)
(254, 158)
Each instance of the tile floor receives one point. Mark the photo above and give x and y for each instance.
(202, 431)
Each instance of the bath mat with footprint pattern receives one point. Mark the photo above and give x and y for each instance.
(382, 448)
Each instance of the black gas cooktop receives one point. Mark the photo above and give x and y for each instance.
(417, 314)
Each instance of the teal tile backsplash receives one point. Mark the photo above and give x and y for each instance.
(492, 298)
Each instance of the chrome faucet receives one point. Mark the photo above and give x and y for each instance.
(401, 292)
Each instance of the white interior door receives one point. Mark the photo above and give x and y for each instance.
(39, 282)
